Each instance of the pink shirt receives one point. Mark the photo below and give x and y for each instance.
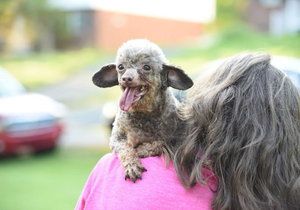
(160, 188)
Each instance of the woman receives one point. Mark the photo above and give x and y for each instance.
(244, 124)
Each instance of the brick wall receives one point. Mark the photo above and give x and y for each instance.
(112, 29)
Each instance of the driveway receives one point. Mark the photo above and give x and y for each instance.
(84, 121)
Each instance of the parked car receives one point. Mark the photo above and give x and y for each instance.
(289, 65)
(29, 122)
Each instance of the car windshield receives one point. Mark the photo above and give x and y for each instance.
(9, 86)
(295, 77)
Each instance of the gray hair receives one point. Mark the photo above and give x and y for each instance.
(243, 122)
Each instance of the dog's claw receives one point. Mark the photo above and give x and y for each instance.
(134, 172)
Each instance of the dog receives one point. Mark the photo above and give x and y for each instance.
(147, 123)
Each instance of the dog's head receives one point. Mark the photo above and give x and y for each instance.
(142, 72)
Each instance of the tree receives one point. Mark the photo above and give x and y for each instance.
(41, 23)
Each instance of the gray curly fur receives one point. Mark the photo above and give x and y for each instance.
(151, 126)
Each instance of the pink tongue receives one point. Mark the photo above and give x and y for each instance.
(127, 98)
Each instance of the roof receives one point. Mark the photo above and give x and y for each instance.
(187, 10)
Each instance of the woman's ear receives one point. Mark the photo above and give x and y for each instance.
(177, 78)
(107, 76)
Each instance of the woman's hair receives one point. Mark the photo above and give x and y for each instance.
(243, 122)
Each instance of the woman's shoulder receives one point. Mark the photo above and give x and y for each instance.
(156, 166)
(110, 161)
(158, 188)
(105, 160)
(159, 173)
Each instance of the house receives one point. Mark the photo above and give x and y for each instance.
(108, 23)
(275, 16)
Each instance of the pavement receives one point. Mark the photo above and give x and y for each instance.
(84, 122)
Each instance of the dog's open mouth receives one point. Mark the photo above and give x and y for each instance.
(131, 95)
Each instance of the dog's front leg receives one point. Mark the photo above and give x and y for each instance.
(127, 155)
(131, 163)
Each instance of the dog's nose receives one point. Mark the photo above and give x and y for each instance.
(127, 79)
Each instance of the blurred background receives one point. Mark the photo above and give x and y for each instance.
(55, 124)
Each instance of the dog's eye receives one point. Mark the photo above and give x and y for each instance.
(120, 67)
(146, 67)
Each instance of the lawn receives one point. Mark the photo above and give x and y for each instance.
(230, 41)
(41, 69)
(50, 181)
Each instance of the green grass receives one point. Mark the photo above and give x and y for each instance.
(36, 70)
(230, 41)
(51, 181)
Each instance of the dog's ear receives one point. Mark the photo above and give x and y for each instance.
(107, 76)
(177, 78)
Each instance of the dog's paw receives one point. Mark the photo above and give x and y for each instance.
(134, 172)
